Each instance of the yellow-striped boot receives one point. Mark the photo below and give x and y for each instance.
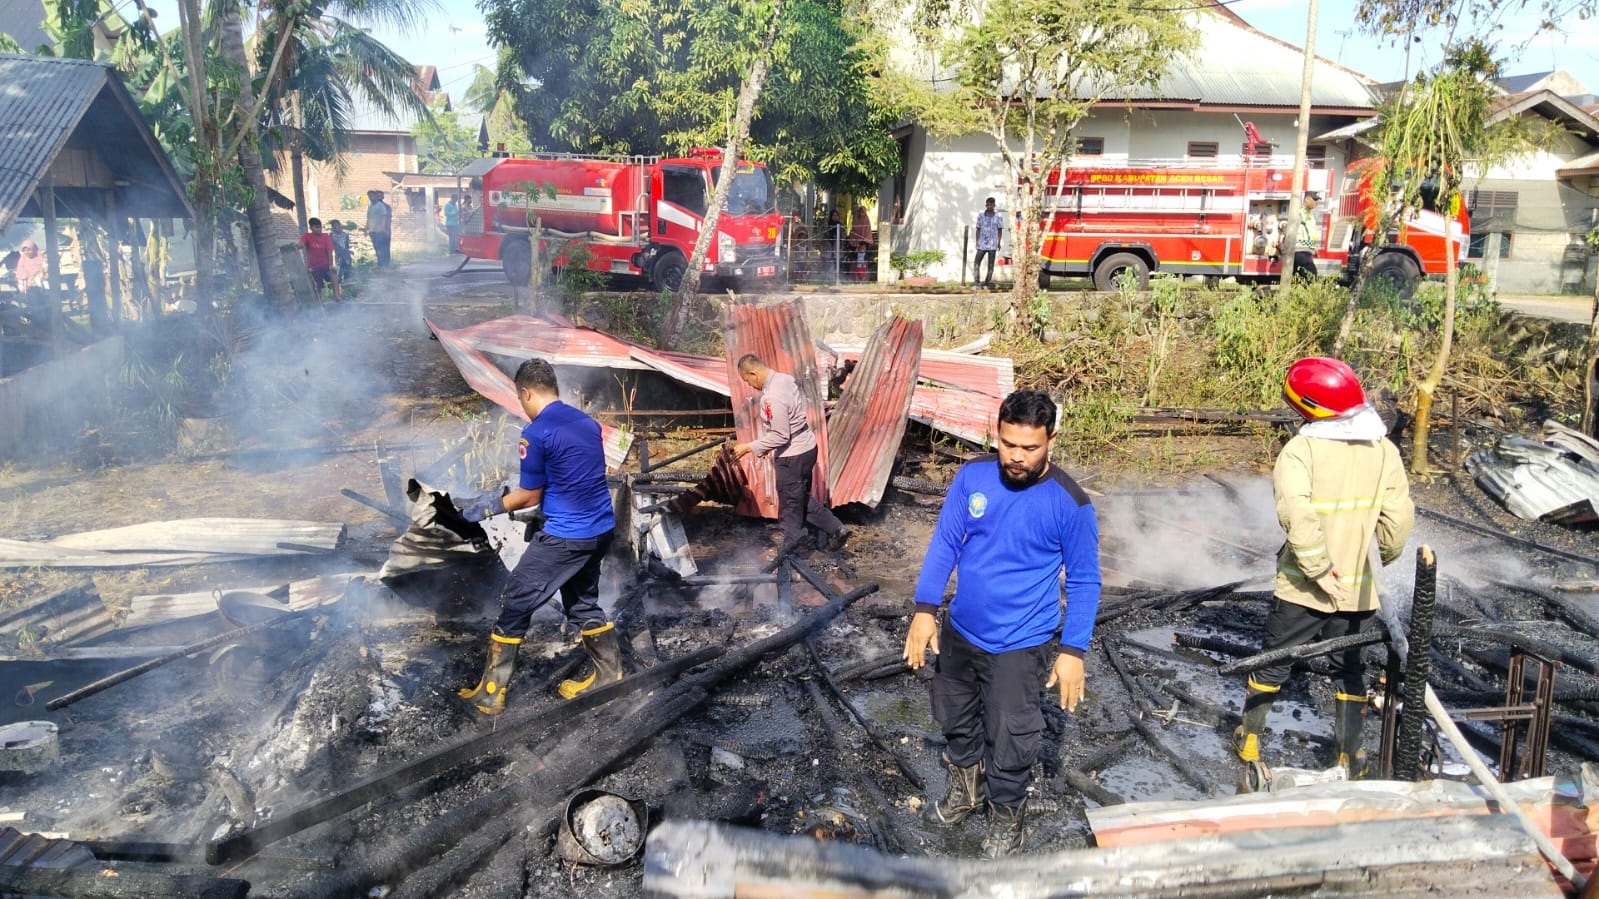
(605, 660)
(489, 694)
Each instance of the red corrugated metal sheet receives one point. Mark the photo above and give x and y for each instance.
(521, 336)
(990, 375)
(487, 379)
(869, 421)
(778, 334)
(969, 416)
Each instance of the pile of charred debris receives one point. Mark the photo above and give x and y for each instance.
(314, 746)
(297, 733)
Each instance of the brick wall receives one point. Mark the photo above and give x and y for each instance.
(367, 159)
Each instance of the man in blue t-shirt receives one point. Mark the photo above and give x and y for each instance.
(563, 467)
(1012, 521)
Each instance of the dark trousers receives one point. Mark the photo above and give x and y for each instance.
(1305, 264)
(549, 565)
(380, 247)
(1291, 624)
(989, 708)
(977, 265)
(795, 506)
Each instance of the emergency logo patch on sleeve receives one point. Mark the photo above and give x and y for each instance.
(766, 410)
(521, 448)
(976, 505)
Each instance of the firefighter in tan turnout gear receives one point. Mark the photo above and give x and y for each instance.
(1339, 484)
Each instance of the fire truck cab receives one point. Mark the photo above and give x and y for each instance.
(624, 215)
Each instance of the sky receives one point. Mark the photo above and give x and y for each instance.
(454, 39)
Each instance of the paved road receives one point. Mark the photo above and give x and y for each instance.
(1561, 308)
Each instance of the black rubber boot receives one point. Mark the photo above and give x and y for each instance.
(605, 660)
(964, 796)
(1246, 737)
(1007, 830)
(489, 694)
(1348, 715)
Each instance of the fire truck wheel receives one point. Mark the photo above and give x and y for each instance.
(1118, 268)
(517, 260)
(667, 272)
(1398, 272)
(1043, 279)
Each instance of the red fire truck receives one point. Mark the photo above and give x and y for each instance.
(1119, 223)
(634, 215)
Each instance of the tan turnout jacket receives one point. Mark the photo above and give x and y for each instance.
(1333, 496)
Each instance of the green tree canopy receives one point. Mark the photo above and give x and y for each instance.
(615, 76)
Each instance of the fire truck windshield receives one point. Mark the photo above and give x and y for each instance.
(752, 192)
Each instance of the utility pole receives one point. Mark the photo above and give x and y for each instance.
(1301, 141)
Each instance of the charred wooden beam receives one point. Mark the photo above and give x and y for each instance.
(1495, 533)
(508, 730)
(871, 730)
(1418, 667)
(654, 464)
(127, 674)
(1156, 742)
(1087, 786)
(1306, 651)
(469, 832)
(884, 825)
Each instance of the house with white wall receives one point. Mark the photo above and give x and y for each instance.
(1194, 117)
(1530, 213)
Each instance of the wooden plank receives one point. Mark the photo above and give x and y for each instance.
(186, 541)
(72, 613)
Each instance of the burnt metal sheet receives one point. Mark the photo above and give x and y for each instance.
(46, 102)
(970, 416)
(704, 372)
(521, 336)
(778, 334)
(869, 421)
(184, 541)
(30, 850)
(1476, 855)
(497, 387)
(991, 375)
(1537, 481)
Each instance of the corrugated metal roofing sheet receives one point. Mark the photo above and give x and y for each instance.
(779, 336)
(962, 413)
(1239, 66)
(867, 425)
(992, 375)
(44, 100)
(487, 379)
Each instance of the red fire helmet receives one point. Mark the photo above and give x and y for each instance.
(1319, 388)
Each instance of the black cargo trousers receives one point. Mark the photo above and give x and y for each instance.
(989, 706)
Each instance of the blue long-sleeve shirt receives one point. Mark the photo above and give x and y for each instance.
(1011, 546)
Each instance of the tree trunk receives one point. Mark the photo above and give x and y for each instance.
(274, 279)
(1026, 245)
(683, 303)
(1590, 381)
(1429, 386)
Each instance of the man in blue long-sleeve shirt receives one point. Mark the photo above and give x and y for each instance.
(1013, 521)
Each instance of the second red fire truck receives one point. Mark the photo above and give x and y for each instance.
(1118, 223)
(634, 215)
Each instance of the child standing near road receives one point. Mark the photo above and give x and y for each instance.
(318, 249)
(341, 249)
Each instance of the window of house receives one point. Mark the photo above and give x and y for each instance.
(1203, 149)
(1479, 244)
(684, 187)
(416, 201)
(1316, 157)
(1090, 146)
(1258, 150)
(1489, 204)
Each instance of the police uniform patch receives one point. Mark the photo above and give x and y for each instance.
(976, 505)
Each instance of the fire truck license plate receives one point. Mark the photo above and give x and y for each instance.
(765, 271)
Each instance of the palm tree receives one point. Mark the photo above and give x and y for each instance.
(332, 67)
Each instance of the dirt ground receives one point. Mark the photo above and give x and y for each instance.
(202, 747)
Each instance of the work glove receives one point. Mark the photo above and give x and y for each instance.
(484, 505)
